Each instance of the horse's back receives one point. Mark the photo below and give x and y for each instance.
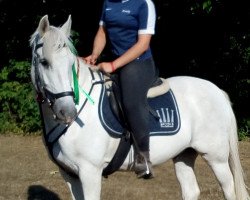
(199, 92)
(204, 106)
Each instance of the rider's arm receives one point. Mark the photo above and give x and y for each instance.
(99, 42)
(98, 46)
(131, 54)
(135, 51)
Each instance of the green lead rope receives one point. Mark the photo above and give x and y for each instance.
(76, 88)
(87, 95)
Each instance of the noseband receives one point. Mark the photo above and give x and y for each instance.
(43, 94)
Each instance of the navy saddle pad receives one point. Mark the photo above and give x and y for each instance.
(167, 123)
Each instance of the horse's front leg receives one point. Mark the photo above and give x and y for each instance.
(74, 185)
(91, 178)
(88, 185)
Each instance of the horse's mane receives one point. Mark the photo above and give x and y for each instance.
(53, 40)
(32, 38)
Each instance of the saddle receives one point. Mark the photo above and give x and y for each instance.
(159, 87)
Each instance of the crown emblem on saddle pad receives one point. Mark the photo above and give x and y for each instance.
(166, 117)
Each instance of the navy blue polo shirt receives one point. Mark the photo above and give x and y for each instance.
(124, 20)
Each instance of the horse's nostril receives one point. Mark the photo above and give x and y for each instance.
(62, 112)
(67, 114)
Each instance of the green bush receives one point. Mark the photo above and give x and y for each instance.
(19, 111)
(244, 129)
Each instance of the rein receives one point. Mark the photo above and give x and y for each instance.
(53, 130)
(56, 132)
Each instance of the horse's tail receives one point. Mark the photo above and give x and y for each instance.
(235, 165)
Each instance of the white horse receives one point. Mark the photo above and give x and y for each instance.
(79, 144)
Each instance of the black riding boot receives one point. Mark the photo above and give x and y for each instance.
(143, 166)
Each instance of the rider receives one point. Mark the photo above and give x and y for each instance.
(129, 26)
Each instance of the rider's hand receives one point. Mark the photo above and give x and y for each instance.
(107, 67)
(91, 59)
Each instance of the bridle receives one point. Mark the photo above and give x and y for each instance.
(43, 94)
(46, 96)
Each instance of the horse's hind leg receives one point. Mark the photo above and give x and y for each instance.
(221, 169)
(74, 185)
(184, 167)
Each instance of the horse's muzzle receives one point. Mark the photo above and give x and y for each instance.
(67, 116)
(64, 109)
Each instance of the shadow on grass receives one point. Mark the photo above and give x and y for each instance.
(38, 192)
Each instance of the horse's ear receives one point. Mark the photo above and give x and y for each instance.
(43, 26)
(66, 28)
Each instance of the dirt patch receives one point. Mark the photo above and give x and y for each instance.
(26, 173)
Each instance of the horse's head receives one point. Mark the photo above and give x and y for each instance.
(52, 62)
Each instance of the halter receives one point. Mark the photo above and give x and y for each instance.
(43, 94)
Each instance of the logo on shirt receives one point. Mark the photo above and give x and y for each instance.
(126, 11)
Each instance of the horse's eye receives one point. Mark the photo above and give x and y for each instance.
(44, 62)
(61, 45)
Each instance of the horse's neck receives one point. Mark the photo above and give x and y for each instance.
(84, 76)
